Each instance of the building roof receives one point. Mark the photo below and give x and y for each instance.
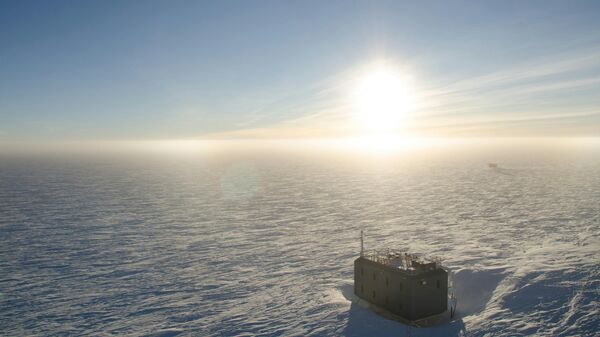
(398, 259)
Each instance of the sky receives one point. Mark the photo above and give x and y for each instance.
(111, 70)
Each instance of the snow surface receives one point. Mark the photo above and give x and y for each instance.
(263, 244)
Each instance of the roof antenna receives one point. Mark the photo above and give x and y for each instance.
(362, 250)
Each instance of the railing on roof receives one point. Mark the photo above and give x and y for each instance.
(401, 259)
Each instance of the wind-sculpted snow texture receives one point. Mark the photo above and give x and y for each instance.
(243, 245)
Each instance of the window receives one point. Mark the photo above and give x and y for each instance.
(374, 276)
(387, 283)
(362, 289)
(362, 271)
(437, 283)
(373, 294)
(400, 286)
(423, 282)
(386, 300)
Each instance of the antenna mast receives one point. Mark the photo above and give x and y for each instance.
(362, 250)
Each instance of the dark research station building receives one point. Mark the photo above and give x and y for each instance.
(403, 284)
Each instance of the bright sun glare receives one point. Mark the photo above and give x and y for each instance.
(383, 99)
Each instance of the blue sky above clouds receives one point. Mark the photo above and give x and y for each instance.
(192, 69)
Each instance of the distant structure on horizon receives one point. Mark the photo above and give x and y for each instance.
(493, 165)
(406, 285)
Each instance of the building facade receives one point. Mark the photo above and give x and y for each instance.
(402, 284)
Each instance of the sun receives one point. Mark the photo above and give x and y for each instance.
(383, 100)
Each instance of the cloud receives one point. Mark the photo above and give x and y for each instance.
(545, 69)
(536, 95)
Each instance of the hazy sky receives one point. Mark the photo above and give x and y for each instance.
(194, 69)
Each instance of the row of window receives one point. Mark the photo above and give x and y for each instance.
(374, 296)
(387, 283)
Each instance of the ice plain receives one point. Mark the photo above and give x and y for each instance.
(244, 244)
